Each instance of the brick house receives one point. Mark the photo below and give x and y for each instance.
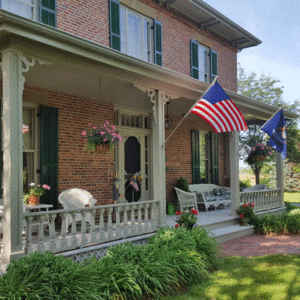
(66, 64)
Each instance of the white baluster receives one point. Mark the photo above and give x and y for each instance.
(52, 246)
(63, 240)
(132, 227)
(74, 242)
(109, 223)
(28, 247)
(146, 220)
(93, 235)
(118, 227)
(125, 221)
(101, 224)
(83, 229)
(41, 243)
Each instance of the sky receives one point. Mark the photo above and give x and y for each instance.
(277, 24)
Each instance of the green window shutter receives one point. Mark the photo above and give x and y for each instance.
(215, 158)
(49, 153)
(48, 12)
(1, 151)
(157, 43)
(213, 65)
(194, 59)
(114, 24)
(195, 157)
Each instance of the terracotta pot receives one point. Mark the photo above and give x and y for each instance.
(33, 200)
(102, 148)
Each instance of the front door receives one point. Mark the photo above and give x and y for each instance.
(134, 162)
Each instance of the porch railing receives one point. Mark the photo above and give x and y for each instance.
(263, 200)
(108, 223)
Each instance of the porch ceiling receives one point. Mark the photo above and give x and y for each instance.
(78, 66)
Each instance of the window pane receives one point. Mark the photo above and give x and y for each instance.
(22, 8)
(28, 170)
(202, 54)
(146, 41)
(28, 137)
(134, 36)
(122, 30)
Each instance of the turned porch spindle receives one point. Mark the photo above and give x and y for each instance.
(109, 223)
(52, 246)
(83, 228)
(74, 229)
(41, 245)
(28, 247)
(63, 241)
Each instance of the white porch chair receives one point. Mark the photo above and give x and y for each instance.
(76, 198)
(186, 200)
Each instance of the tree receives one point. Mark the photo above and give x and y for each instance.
(264, 88)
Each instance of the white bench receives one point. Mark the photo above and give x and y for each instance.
(211, 194)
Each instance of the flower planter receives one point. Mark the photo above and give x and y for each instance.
(244, 221)
(33, 200)
(258, 158)
(102, 148)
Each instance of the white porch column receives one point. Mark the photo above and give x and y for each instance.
(158, 154)
(13, 64)
(279, 176)
(234, 171)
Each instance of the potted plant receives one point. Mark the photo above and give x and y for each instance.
(245, 212)
(258, 153)
(187, 219)
(35, 192)
(100, 139)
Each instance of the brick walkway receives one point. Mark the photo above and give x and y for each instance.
(258, 245)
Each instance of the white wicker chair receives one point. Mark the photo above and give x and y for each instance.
(186, 200)
(76, 198)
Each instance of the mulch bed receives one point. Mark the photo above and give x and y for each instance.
(259, 245)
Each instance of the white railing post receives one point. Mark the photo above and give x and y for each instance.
(83, 229)
(28, 247)
(52, 232)
(63, 242)
(41, 244)
(279, 177)
(109, 223)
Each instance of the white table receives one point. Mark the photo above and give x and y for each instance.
(30, 208)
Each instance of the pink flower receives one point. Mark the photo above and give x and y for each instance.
(270, 153)
(113, 127)
(105, 140)
(107, 123)
(46, 187)
(85, 140)
(245, 205)
(84, 133)
(94, 127)
(262, 148)
(253, 149)
(90, 124)
(91, 134)
(102, 133)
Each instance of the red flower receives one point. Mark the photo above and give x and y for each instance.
(193, 211)
(251, 204)
(241, 216)
(177, 225)
(178, 213)
(245, 205)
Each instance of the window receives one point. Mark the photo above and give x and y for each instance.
(205, 167)
(135, 34)
(37, 10)
(204, 64)
(132, 120)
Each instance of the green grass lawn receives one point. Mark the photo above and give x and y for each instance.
(292, 197)
(243, 278)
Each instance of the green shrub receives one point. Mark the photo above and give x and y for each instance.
(172, 258)
(183, 184)
(245, 183)
(286, 223)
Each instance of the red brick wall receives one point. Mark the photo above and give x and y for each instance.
(78, 168)
(179, 155)
(90, 20)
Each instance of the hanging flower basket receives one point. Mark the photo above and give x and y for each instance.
(102, 148)
(33, 200)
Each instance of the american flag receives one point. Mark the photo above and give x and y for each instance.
(25, 128)
(219, 111)
(135, 185)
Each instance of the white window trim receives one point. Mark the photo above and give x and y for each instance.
(206, 63)
(151, 42)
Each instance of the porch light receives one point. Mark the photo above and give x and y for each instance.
(168, 120)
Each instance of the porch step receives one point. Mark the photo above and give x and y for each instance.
(231, 232)
(220, 224)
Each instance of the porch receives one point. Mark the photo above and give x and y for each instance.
(127, 221)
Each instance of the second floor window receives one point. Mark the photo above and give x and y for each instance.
(135, 34)
(204, 62)
(43, 11)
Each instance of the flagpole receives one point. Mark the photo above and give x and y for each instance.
(262, 126)
(212, 83)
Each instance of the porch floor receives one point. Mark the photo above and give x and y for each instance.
(207, 218)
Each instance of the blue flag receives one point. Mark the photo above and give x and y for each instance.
(275, 128)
